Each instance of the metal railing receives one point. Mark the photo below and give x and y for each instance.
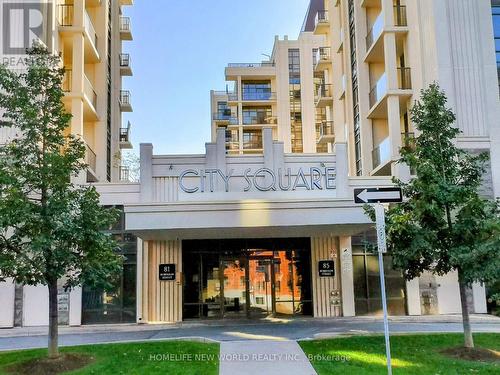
(65, 14)
(125, 97)
(404, 78)
(251, 65)
(382, 153)
(326, 128)
(67, 82)
(125, 134)
(323, 90)
(323, 54)
(90, 157)
(321, 17)
(90, 92)
(375, 31)
(400, 18)
(124, 173)
(378, 90)
(89, 26)
(124, 60)
(124, 24)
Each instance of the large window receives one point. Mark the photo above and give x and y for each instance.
(256, 115)
(367, 297)
(295, 100)
(256, 90)
(496, 31)
(117, 305)
(252, 139)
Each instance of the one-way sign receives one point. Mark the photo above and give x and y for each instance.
(378, 195)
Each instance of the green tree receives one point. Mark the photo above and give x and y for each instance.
(50, 227)
(445, 224)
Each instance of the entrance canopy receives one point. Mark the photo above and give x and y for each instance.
(217, 195)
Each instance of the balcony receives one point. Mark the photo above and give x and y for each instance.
(381, 155)
(124, 173)
(326, 134)
(321, 22)
(89, 96)
(91, 161)
(125, 66)
(125, 142)
(262, 70)
(224, 118)
(255, 96)
(68, 26)
(375, 40)
(380, 91)
(125, 103)
(323, 59)
(125, 29)
(232, 143)
(323, 95)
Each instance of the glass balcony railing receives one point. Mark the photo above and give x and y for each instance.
(400, 15)
(124, 174)
(124, 60)
(125, 24)
(382, 153)
(375, 31)
(378, 90)
(251, 65)
(90, 157)
(322, 54)
(90, 92)
(258, 95)
(125, 98)
(125, 134)
(225, 117)
(89, 26)
(323, 90)
(326, 129)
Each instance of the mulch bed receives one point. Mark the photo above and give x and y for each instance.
(475, 354)
(46, 366)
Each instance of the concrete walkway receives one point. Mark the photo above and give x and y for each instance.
(263, 357)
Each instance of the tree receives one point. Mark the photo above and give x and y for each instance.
(444, 225)
(50, 228)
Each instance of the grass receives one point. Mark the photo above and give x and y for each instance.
(133, 358)
(411, 354)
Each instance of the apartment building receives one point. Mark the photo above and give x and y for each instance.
(88, 34)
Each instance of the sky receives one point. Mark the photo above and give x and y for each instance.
(179, 53)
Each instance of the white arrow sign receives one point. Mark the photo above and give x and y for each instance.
(377, 195)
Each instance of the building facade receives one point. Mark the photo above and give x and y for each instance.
(264, 222)
(88, 35)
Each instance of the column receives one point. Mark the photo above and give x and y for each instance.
(346, 274)
(413, 297)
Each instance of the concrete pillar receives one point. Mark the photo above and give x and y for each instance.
(413, 297)
(346, 276)
(479, 297)
(75, 306)
(7, 296)
(146, 174)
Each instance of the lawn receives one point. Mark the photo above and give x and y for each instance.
(134, 358)
(411, 354)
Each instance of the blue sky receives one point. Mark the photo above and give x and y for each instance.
(178, 55)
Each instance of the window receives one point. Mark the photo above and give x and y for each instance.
(252, 139)
(256, 115)
(295, 100)
(496, 31)
(256, 90)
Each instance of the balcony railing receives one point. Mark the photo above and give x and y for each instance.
(90, 157)
(321, 17)
(404, 78)
(125, 97)
(223, 117)
(323, 90)
(251, 65)
(125, 24)
(124, 173)
(323, 54)
(378, 90)
(400, 15)
(125, 134)
(375, 31)
(326, 128)
(65, 14)
(125, 60)
(259, 95)
(90, 92)
(67, 80)
(89, 26)
(382, 153)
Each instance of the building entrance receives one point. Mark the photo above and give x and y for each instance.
(246, 278)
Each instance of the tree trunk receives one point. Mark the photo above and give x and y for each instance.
(53, 320)
(468, 341)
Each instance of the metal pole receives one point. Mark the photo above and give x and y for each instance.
(382, 248)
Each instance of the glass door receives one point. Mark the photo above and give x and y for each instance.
(233, 285)
(261, 285)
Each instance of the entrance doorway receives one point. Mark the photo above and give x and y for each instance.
(246, 278)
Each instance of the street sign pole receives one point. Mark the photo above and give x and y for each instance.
(382, 248)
